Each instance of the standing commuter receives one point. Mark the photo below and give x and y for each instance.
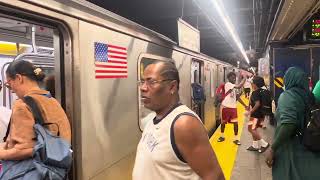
(288, 157)
(247, 87)
(229, 107)
(174, 143)
(23, 78)
(256, 116)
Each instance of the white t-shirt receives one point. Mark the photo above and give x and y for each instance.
(247, 84)
(230, 101)
(5, 114)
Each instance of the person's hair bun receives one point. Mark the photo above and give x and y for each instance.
(39, 74)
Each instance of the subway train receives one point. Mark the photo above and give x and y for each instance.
(67, 39)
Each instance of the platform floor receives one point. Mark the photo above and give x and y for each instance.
(236, 162)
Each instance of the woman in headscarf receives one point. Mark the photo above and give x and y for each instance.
(287, 156)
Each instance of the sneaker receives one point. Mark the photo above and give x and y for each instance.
(251, 148)
(221, 139)
(236, 142)
(263, 149)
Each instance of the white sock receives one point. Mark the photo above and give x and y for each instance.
(236, 137)
(255, 144)
(263, 143)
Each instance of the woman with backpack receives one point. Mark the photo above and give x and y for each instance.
(288, 157)
(23, 78)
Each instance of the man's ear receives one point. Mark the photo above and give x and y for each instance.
(174, 85)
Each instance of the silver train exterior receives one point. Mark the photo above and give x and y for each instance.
(104, 113)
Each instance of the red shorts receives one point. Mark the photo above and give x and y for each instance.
(255, 123)
(229, 115)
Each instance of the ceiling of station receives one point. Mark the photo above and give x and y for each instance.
(252, 20)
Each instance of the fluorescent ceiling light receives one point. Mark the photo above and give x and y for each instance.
(227, 22)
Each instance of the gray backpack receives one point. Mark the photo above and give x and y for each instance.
(52, 155)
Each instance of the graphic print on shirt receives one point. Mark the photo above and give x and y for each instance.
(150, 141)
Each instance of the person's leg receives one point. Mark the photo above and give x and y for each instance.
(234, 121)
(265, 121)
(236, 135)
(223, 116)
(255, 136)
(262, 143)
(223, 126)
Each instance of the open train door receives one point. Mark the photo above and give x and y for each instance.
(197, 100)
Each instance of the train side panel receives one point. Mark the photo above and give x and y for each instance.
(109, 120)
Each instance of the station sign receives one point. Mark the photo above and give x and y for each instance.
(188, 36)
(315, 29)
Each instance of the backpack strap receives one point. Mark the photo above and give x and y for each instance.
(7, 132)
(37, 113)
(228, 92)
(34, 109)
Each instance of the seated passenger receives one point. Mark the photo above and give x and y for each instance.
(174, 143)
(22, 79)
(5, 114)
(287, 156)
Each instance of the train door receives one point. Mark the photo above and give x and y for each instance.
(210, 81)
(38, 43)
(197, 81)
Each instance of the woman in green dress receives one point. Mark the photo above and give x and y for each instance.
(287, 156)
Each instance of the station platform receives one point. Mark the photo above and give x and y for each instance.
(236, 162)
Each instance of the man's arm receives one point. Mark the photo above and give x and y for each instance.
(255, 107)
(192, 141)
(241, 102)
(238, 86)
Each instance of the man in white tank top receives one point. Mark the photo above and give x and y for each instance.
(174, 144)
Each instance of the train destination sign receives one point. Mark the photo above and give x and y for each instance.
(315, 29)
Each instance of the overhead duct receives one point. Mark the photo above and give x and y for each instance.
(292, 17)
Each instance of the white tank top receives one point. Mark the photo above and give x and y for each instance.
(158, 157)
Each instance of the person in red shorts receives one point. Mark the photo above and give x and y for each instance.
(256, 116)
(228, 110)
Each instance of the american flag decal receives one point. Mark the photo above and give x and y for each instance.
(110, 61)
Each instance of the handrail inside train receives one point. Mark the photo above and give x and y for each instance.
(33, 55)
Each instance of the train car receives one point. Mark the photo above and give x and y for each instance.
(101, 99)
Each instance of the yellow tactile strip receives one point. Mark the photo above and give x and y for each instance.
(227, 151)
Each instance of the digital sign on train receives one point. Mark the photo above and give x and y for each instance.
(315, 29)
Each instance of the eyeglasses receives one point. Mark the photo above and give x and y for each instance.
(6, 84)
(152, 82)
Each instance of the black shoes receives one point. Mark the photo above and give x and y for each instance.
(251, 148)
(237, 142)
(263, 149)
(221, 139)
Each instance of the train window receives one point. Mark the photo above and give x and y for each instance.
(36, 45)
(212, 84)
(144, 61)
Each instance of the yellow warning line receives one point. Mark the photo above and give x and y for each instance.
(227, 151)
